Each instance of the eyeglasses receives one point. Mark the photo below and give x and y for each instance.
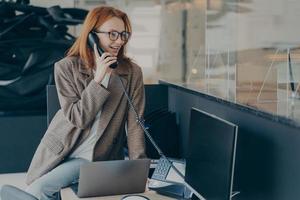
(114, 35)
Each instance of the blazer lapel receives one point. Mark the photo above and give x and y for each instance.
(86, 74)
(113, 101)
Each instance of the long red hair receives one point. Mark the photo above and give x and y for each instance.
(94, 19)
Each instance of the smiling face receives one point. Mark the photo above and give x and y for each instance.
(113, 24)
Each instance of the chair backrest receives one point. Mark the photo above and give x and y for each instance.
(52, 102)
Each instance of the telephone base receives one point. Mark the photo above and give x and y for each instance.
(169, 188)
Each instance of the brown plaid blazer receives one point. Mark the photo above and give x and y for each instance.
(81, 98)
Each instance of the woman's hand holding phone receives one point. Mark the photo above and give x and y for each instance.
(102, 64)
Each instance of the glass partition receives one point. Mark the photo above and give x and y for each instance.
(245, 51)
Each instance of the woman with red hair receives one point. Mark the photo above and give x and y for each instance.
(90, 126)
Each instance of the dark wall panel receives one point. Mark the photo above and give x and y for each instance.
(181, 103)
(20, 136)
(156, 97)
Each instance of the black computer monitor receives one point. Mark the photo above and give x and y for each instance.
(211, 156)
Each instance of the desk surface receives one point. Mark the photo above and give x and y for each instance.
(68, 194)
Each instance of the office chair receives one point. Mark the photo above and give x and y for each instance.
(9, 192)
(52, 102)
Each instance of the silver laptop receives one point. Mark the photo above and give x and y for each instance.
(112, 178)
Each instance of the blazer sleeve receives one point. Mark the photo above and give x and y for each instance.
(135, 134)
(79, 109)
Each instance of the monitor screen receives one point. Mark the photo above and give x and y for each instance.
(211, 155)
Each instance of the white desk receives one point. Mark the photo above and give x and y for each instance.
(68, 194)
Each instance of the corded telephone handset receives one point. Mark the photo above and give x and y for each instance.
(93, 39)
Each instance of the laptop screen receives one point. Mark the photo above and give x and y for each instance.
(211, 152)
